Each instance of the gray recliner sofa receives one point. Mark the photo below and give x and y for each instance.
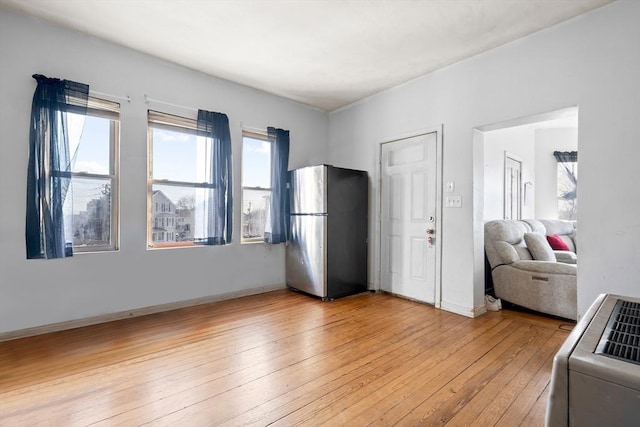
(544, 286)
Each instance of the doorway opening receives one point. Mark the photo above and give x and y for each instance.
(536, 141)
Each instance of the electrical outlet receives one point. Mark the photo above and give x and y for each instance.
(453, 201)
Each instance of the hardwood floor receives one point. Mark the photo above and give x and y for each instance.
(283, 358)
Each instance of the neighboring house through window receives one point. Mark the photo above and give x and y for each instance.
(169, 223)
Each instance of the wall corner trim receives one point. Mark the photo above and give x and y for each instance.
(462, 310)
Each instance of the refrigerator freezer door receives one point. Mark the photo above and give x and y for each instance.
(308, 190)
(347, 232)
(306, 254)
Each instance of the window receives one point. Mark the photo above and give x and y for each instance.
(90, 208)
(256, 185)
(567, 184)
(180, 189)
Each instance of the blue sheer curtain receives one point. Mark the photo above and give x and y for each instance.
(278, 205)
(49, 170)
(215, 127)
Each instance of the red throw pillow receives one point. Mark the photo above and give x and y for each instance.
(556, 243)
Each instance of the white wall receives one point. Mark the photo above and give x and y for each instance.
(547, 141)
(39, 292)
(593, 62)
(519, 142)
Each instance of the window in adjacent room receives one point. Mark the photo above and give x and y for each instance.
(91, 207)
(567, 184)
(256, 185)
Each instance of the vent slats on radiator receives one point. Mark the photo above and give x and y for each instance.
(621, 338)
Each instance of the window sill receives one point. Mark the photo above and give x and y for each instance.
(252, 241)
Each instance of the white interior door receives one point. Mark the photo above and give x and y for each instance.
(408, 217)
(512, 187)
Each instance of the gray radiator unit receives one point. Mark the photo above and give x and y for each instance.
(595, 379)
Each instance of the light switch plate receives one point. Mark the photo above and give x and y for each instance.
(453, 201)
(451, 187)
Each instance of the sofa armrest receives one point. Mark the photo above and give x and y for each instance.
(567, 257)
(546, 267)
(548, 287)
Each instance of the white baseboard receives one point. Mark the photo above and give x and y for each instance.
(446, 306)
(405, 297)
(77, 323)
(479, 311)
(463, 311)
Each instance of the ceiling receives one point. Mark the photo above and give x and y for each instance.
(322, 53)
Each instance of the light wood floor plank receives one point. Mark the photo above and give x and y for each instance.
(437, 388)
(336, 384)
(494, 393)
(256, 381)
(527, 387)
(284, 358)
(224, 388)
(390, 387)
(295, 376)
(210, 366)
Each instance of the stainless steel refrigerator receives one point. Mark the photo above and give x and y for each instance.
(327, 250)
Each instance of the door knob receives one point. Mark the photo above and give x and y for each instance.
(431, 231)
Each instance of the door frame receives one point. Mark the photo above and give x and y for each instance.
(438, 130)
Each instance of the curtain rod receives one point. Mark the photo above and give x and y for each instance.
(253, 129)
(147, 99)
(108, 95)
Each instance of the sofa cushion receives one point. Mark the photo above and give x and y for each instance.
(565, 229)
(535, 226)
(569, 241)
(568, 257)
(558, 226)
(545, 267)
(506, 252)
(539, 247)
(556, 243)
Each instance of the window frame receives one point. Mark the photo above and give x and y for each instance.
(561, 170)
(174, 123)
(262, 136)
(110, 110)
